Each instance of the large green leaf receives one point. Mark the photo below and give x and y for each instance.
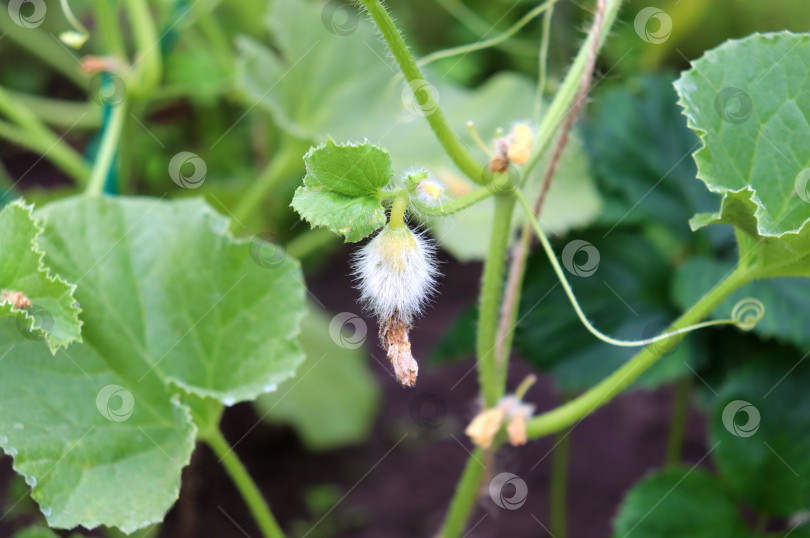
(333, 401)
(677, 503)
(749, 101)
(760, 422)
(51, 311)
(172, 304)
(342, 188)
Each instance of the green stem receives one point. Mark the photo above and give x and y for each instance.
(447, 137)
(485, 43)
(453, 206)
(107, 22)
(491, 288)
(559, 481)
(542, 74)
(568, 90)
(588, 402)
(464, 497)
(677, 426)
(148, 62)
(244, 483)
(286, 161)
(59, 112)
(106, 152)
(396, 220)
(33, 134)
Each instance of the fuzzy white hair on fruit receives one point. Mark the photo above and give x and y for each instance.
(430, 191)
(396, 273)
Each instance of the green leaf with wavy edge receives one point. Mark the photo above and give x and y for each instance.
(749, 101)
(174, 306)
(342, 188)
(53, 314)
(333, 401)
(679, 502)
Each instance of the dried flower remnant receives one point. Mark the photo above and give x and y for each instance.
(510, 410)
(16, 298)
(514, 148)
(396, 273)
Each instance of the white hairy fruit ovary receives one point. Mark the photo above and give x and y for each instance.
(396, 273)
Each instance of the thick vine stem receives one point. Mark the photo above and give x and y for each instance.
(588, 402)
(244, 483)
(435, 117)
(106, 152)
(465, 496)
(489, 306)
(148, 62)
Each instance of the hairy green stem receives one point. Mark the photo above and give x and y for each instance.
(677, 426)
(464, 497)
(396, 220)
(542, 67)
(244, 483)
(559, 480)
(455, 205)
(580, 407)
(489, 307)
(106, 152)
(434, 115)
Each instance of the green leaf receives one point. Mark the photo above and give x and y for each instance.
(748, 101)
(760, 423)
(786, 301)
(35, 532)
(173, 306)
(342, 187)
(625, 297)
(53, 313)
(676, 503)
(333, 402)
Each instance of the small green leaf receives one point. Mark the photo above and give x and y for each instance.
(333, 401)
(748, 100)
(342, 187)
(54, 313)
(760, 426)
(677, 503)
(173, 305)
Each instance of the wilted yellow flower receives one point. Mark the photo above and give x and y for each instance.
(485, 426)
(520, 143)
